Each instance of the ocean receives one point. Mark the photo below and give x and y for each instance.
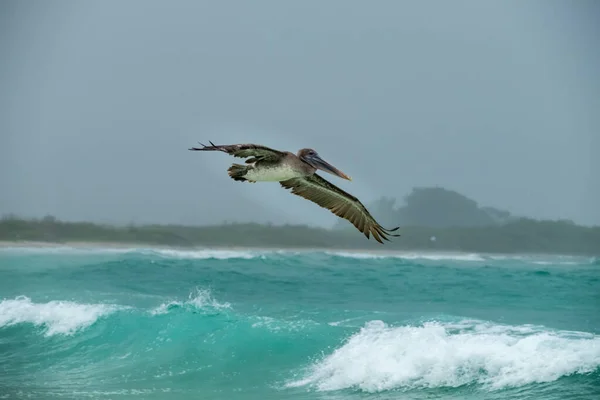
(155, 323)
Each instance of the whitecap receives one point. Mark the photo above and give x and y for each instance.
(198, 299)
(208, 254)
(58, 317)
(380, 357)
(410, 256)
(220, 254)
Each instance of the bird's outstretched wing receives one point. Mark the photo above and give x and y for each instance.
(256, 151)
(344, 205)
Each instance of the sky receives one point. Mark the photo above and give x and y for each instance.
(99, 102)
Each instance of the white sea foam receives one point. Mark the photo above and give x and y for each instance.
(541, 259)
(380, 357)
(220, 254)
(208, 254)
(279, 325)
(410, 256)
(247, 254)
(556, 263)
(58, 317)
(198, 299)
(555, 260)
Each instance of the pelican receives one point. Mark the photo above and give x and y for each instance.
(298, 173)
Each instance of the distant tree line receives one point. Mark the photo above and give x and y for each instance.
(431, 219)
(435, 207)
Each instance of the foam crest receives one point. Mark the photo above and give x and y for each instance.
(541, 259)
(379, 357)
(208, 254)
(198, 299)
(58, 317)
(556, 263)
(163, 252)
(278, 325)
(410, 256)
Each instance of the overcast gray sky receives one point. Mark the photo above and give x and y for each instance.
(99, 102)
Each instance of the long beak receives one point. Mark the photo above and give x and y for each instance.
(325, 166)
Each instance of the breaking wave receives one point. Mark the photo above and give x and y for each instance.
(249, 254)
(260, 323)
(56, 317)
(198, 299)
(380, 357)
(375, 357)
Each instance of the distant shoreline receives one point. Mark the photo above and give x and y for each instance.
(140, 245)
(518, 237)
(380, 252)
(132, 246)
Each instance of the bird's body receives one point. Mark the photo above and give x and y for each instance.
(298, 173)
(272, 173)
(288, 167)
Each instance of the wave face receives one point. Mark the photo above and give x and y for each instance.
(222, 324)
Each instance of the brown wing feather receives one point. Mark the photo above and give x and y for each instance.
(256, 151)
(344, 205)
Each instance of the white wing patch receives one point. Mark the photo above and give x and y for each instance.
(272, 174)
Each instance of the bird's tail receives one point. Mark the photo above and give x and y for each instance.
(237, 172)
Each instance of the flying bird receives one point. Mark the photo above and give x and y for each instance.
(298, 173)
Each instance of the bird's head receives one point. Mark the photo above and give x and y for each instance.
(312, 158)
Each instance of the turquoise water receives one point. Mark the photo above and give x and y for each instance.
(218, 324)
